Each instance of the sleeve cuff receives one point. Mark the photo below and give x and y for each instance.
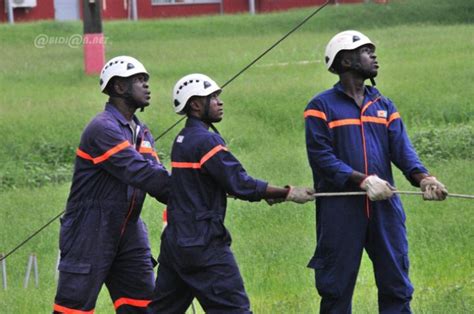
(342, 176)
(261, 188)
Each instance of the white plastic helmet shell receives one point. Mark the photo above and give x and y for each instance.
(122, 66)
(346, 40)
(195, 84)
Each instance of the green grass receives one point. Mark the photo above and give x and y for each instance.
(425, 52)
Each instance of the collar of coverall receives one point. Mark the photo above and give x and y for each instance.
(370, 91)
(193, 121)
(117, 115)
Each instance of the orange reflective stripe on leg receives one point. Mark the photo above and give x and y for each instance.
(66, 310)
(132, 302)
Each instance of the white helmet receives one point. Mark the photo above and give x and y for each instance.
(347, 40)
(122, 66)
(192, 85)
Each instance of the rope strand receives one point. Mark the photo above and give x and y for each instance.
(330, 194)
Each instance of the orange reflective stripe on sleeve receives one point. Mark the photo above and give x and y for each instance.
(133, 302)
(149, 150)
(105, 155)
(146, 150)
(66, 310)
(211, 153)
(84, 155)
(198, 165)
(194, 165)
(342, 122)
(393, 116)
(315, 113)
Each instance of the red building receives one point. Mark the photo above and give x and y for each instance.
(61, 10)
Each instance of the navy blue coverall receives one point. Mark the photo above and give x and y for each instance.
(102, 239)
(195, 258)
(342, 137)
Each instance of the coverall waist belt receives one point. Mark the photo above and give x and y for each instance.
(207, 215)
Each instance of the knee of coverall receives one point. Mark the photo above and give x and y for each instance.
(77, 287)
(131, 275)
(171, 293)
(325, 277)
(226, 292)
(393, 280)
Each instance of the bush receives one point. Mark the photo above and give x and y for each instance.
(448, 142)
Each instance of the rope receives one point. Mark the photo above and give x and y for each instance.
(31, 236)
(330, 194)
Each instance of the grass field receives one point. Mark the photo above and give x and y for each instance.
(425, 49)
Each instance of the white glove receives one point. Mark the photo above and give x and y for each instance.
(432, 189)
(300, 195)
(377, 189)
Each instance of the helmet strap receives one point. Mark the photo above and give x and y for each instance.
(214, 128)
(205, 115)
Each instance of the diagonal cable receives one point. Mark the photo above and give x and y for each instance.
(253, 62)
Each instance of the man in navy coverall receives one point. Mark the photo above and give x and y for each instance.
(102, 238)
(195, 258)
(353, 134)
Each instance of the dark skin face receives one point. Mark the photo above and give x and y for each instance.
(355, 67)
(211, 113)
(131, 93)
(361, 62)
(368, 61)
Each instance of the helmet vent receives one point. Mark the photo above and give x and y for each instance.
(176, 103)
(355, 38)
(130, 66)
(206, 84)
